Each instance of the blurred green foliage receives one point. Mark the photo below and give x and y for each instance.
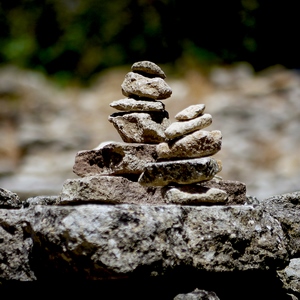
(77, 38)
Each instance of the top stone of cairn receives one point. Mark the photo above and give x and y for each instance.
(148, 67)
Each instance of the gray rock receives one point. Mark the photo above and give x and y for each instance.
(110, 241)
(15, 247)
(136, 85)
(178, 129)
(290, 276)
(141, 127)
(235, 190)
(130, 104)
(285, 208)
(181, 172)
(148, 68)
(120, 190)
(39, 200)
(114, 159)
(191, 112)
(9, 199)
(198, 144)
(198, 295)
(188, 195)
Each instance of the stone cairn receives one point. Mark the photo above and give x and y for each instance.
(157, 162)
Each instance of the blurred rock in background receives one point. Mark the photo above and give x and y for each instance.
(43, 126)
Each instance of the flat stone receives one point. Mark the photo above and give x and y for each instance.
(193, 194)
(114, 158)
(148, 68)
(9, 199)
(178, 129)
(141, 127)
(181, 172)
(191, 112)
(130, 104)
(198, 295)
(235, 190)
(120, 190)
(198, 144)
(136, 85)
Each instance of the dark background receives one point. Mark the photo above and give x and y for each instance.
(74, 39)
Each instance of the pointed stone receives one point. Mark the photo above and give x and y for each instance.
(146, 128)
(181, 172)
(193, 194)
(178, 129)
(139, 86)
(191, 112)
(147, 68)
(130, 104)
(198, 144)
(114, 159)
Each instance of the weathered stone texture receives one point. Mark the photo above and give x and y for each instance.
(148, 68)
(198, 144)
(136, 85)
(114, 159)
(141, 127)
(190, 112)
(9, 199)
(178, 129)
(137, 105)
(198, 295)
(181, 172)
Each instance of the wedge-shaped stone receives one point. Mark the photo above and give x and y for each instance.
(179, 172)
(146, 128)
(178, 129)
(114, 159)
(192, 195)
(191, 112)
(148, 68)
(130, 104)
(198, 144)
(136, 85)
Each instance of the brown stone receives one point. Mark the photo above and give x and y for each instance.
(139, 86)
(148, 68)
(143, 127)
(114, 159)
(198, 144)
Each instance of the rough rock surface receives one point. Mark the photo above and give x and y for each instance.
(139, 86)
(114, 159)
(198, 295)
(185, 171)
(177, 129)
(141, 127)
(191, 112)
(290, 276)
(130, 104)
(106, 241)
(149, 68)
(285, 208)
(9, 199)
(118, 190)
(198, 144)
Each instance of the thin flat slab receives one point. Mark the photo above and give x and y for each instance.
(198, 144)
(191, 112)
(114, 158)
(141, 127)
(180, 172)
(136, 85)
(130, 104)
(148, 68)
(178, 129)
(119, 190)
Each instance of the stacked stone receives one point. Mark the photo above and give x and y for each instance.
(143, 118)
(157, 162)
